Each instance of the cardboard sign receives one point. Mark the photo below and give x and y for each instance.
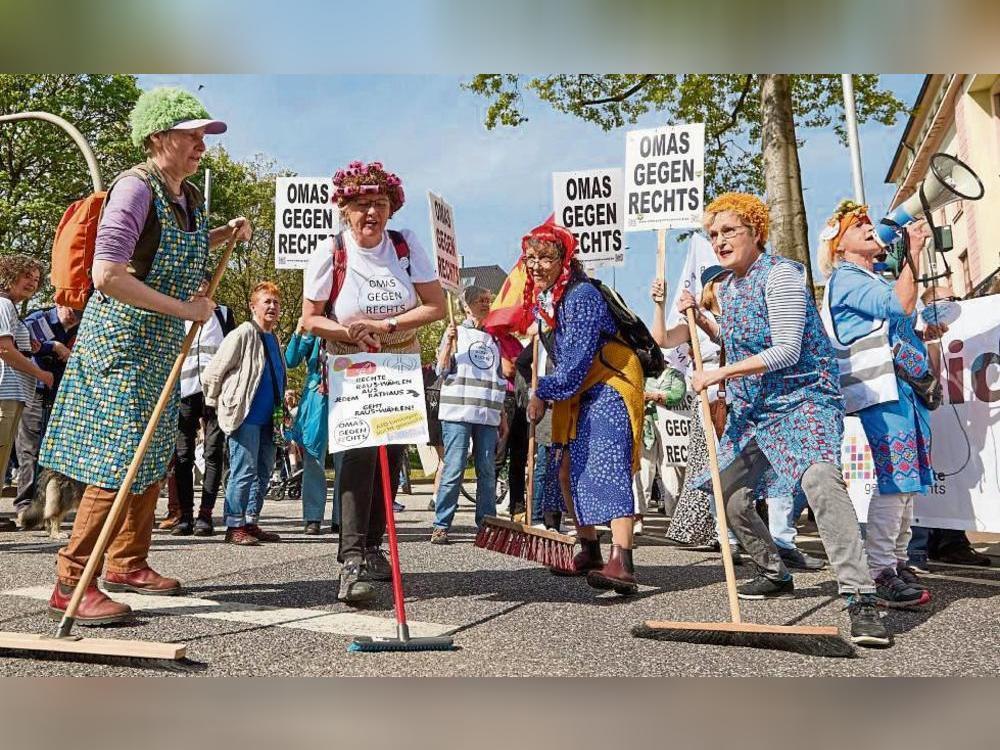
(664, 177)
(304, 216)
(445, 247)
(675, 430)
(588, 203)
(376, 399)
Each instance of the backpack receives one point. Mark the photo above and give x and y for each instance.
(632, 332)
(340, 262)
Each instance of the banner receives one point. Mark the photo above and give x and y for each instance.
(445, 247)
(375, 399)
(664, 177)
(965, 430)
(588, 203)
(699, 257)
(304, 216)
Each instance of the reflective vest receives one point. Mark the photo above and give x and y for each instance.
(474, 390)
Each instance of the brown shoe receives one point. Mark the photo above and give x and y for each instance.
(617, 574)
(587, 559)
(95, 607)
(170, 521)
(239, 535)
(260, 535)
(144, 581)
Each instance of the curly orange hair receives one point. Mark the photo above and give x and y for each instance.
(751, 209)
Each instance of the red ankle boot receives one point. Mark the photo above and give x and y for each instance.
(618, 574)
(588, 558)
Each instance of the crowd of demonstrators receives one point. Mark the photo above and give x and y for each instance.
(471, 409)
(150, 258)
(54, 330)
(19, 279)
(244, 383)
(596, 390)
(344, 303)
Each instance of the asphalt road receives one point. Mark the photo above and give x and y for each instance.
(272, 610)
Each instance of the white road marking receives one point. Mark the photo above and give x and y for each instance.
(314, 620)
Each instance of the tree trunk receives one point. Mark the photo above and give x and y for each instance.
(789, 233)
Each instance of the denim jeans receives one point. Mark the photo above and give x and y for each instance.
(313, 488)
(251, 460)
(782, 512)
(456, 452)
(538, 482)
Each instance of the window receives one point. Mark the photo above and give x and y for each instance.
(963, 259)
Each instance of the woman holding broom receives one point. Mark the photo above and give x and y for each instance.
(149, 260)
(596, 390)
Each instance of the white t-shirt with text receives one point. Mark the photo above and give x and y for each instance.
(377, 285)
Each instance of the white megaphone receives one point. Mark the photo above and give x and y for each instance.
(950, 180)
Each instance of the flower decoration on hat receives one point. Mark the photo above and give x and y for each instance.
(847, 214)
(359, 178)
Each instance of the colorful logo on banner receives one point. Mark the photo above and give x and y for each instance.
(856, 457)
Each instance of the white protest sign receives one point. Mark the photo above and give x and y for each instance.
(664, 177)
(376, 399)
(445, 247)
(304, 216)
(588, 203)
(699, 257)
(675, 430)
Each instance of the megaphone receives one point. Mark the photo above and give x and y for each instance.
(950, 180)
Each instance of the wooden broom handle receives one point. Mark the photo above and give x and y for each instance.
(713, 461)
(661, 254)
(97, 555)
(529, 495)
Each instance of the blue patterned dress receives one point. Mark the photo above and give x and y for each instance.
(898, 432)
(119, 366)
(601, 453)
(796, 413)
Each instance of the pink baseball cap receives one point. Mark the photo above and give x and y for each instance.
(212, 127)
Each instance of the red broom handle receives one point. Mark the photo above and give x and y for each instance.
(397, 576)
(529, 495)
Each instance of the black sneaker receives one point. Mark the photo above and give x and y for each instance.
(312, 528)
(892, 591)
(184, 527)
(795, 559)
(204, 527)
(352, 589)
(909, 576)
(376, 565)
(866, 625)
(963, 556)
(763, 587)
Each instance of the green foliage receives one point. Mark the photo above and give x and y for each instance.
(41, 170)
(729, 105)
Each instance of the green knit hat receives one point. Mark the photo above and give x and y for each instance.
(168, 108)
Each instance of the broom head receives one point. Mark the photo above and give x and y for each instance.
(550, 548)
(801, 639)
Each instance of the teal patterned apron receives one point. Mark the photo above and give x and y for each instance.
(119, 366)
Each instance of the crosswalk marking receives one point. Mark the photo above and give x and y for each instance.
(297, 618)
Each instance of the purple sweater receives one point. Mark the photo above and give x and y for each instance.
(124, 216)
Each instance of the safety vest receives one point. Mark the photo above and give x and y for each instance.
(474, 390)
(867, 375)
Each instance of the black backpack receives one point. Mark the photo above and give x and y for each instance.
(631, 331)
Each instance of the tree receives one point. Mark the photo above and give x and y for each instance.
(738, 110)
(41, 169)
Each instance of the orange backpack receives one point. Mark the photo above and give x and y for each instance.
(73, 251)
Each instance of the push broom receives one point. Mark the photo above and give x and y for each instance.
(804, 639)
(144, 654)
(550, 548)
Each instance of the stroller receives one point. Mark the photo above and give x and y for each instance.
(284, 483)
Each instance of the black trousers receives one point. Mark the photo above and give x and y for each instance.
(192, 411)
(517, 447)
(362, 507)
(30, 431)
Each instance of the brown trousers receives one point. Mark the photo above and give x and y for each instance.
(130, 539)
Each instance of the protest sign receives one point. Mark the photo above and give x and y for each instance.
(675, 430)
(445, 247)
(664, 177)
(304, 216)
(699, 257)
(588, 203)
(375, 399)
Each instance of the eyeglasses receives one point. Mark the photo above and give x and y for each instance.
(727, 234)
(541, 260)
(365, 205)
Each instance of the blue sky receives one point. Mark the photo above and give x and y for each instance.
(430, 132)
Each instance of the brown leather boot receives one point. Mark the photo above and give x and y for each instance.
(144, 581)
(618, 574)
(588, 558)
(95, 607)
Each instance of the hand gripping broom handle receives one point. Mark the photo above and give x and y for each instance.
(529, 495)
(97, 555)
(713, 460)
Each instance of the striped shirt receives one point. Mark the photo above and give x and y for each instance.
(785, 294)
(14, 384)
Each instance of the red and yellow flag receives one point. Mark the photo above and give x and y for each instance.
(507, 313)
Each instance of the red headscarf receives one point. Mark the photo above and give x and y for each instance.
(559, 235)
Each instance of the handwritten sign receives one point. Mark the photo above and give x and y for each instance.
(375, 399)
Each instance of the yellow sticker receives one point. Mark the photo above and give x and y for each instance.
(395, 422)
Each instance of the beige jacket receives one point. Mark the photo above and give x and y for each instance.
(233, 376)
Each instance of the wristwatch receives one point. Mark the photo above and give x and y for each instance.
(393, 324)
